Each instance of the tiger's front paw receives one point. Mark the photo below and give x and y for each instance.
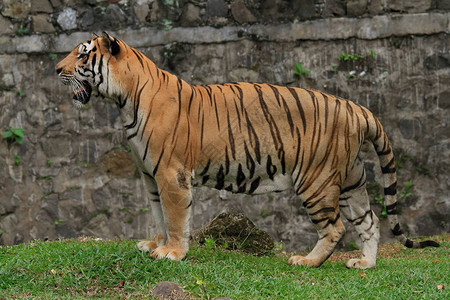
(359, 264)
(146, 246)
(303, 261)
(169, 253)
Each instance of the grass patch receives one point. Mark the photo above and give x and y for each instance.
(116, 269)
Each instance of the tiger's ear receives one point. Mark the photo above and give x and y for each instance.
(94, 35)
(111, 43)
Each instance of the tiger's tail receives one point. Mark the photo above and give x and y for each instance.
(385, 154)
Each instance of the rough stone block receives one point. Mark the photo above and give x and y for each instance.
(41, 6)
(41, 23)
(17, 9)
(190, 15)
(334, 8)
(375, 7)
(356, 8)
(5, 26)
(241, 13)
(304, 9)
(67, 19)
(443, 4)
(141, 12)
(216, 8)
(409, 6)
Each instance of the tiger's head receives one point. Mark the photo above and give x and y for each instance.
(88, 68)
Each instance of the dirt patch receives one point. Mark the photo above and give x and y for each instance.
(234, 231)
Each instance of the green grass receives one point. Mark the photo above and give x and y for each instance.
(88, 268)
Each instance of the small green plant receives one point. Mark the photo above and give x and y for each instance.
(144, 209)
(299, 71)
(422, 169)
(202, 285)
(346, 57)
(14, 135)
(49, 163)
(334, 68)
(380, 200)
(401, 159)
(352, 74)
(264, 214)
(278, 247)
(372, 53)
(407, 192)
(57, 222)
(210, 244)
(22, 30)
(53, 56)
(166, 24)
(20, 93)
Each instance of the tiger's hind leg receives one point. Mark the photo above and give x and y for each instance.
(323, 209)
(156, 208)
(355, 206)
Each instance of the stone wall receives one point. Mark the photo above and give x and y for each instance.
(73, 174)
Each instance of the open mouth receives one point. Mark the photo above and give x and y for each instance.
(82, 94)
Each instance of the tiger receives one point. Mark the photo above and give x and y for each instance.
(241, 137)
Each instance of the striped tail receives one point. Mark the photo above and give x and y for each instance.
(386, 157)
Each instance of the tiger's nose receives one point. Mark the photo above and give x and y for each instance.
(58, 70)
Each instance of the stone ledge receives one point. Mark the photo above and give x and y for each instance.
(324, 29)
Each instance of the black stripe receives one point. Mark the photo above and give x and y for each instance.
(231, 137)
(220, 179)
(396, 231)
(240, 176)
(388, 151)
(392, 209)
(159, 160)
(322, 210)
(299, 106)
(146, 146)
(254, 185)
(202, 173)
(94, 60)
(428, 244)
(409, 243)
(254, 141)
(137, 99)
(249, 161)
(189, 205)
(360, 183)
(388, 168)
(391, 190)
(227, 161)
(138, 57)
(270, 168)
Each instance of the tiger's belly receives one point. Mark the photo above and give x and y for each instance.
(237, 179)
